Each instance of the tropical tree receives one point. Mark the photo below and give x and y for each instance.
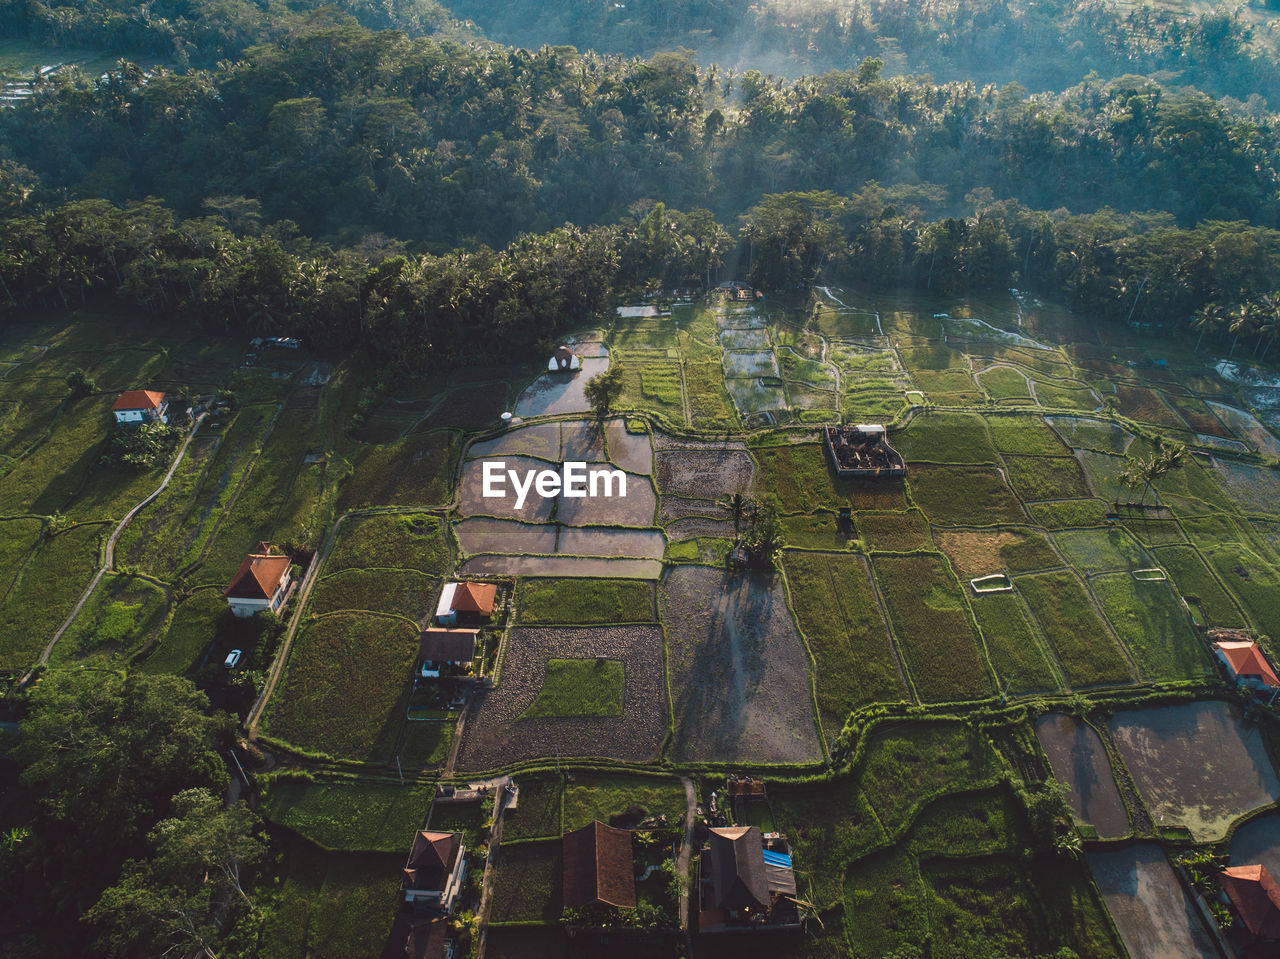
(1145, 471)
(603, 390)
(736, 505)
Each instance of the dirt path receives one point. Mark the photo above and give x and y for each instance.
(486, 886)
(686, 850)
(109, 554)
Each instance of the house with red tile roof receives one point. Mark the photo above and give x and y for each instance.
(435, 871)
(1255, 898)
(598, 867)
(466, 603)
(141, 406)
(1246, 664)
(261, 583)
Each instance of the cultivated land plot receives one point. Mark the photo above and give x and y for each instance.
(528, 880)
(1154, 625)
(585, 601)
(1015, 653)
(1152, 913)
(894, 531)
(1096, 550)
(482, 534)
(1255, 488)
(738, 669)
(390, 541)
(415, 471)
(1046, 477)
(845, 630)
(122, 615)
(553, 393)
(346, 686)
(1255, 582)
(1193, 581)
(602, 796)
(349, 815)
(332, 904)
(1195, 764)
(193, 628)
(402, 592)
(1080, 761)
(562, 566)
(703, 474)
(637, 508)
(964, 495)
(632, 452)
(942, 653)
(976, 553)
(541, 440)
(1246, 425)
(498, 736)
(1090, 434)
(471, 407)
(1085, 649)
(473, 502)
(945, 438)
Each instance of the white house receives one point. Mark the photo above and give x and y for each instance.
(261, 583)
(563, 361)
(466, 603)
(1246, 665)
(141, 406)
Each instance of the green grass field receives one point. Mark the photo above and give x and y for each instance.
(1154, 625)
(1016, 655)
(584, 601)
(391, 541)
(404, 592)
(415, 471)
(945, 438)
(193, 628)
(964, 496)
(1193, 580)
(894, 532)
(1084, 648)
(591, 796)
(350, 816)
(579, 687)
(932, 629)
(1046, 477)
(844, 628)
(527, 883)
(346, 686)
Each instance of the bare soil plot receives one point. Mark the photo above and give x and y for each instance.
(483, 534)
(1256, 841)
(473, 502)
(497, 736)
(936, 639)
(691, 527)
(637, 508)
(607, 541)
(1090, 434)
(1255, 488)
(964, 496)
(1146, 901)
(672, 508)
(582, 441)
(738, 668)
(1147, 406)
(553, 393)
(1196, 764)
(980, 552)
(1246, 425)
(586, 566)
(707, 473)
(631, 451)
(538, 439)
(1080, 761)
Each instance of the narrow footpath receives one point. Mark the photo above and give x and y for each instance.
(109, 554)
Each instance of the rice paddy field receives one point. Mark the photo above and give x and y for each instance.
(628, 651)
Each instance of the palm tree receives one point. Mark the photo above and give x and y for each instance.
(736, 506)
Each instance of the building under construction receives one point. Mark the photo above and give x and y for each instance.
(863, 452)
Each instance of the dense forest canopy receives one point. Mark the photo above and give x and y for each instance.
(358, 186)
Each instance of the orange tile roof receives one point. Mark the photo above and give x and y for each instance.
(1257, 899)
(475, 598)
(1247, 660)
(258, 577)
(139, 400)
